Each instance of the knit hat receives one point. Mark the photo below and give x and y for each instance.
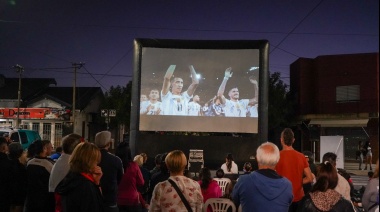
(102, 139)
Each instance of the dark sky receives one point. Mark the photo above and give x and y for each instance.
(46, 36)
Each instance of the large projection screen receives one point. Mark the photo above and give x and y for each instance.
(200, 86)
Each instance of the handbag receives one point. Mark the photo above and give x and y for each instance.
(184, 200)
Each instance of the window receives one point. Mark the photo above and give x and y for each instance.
(58, 135)
(36, 127)
(348, 93)
(46, 131)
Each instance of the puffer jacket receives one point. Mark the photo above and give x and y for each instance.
(330, 201)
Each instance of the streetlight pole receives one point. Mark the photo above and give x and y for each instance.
(19, 70)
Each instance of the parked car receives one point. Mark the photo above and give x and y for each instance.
(25, 137)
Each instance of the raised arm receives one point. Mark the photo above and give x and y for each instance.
(194, 81)
(166, 83)
(255, 98)
(227, 74)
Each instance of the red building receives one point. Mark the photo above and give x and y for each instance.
(337, 95)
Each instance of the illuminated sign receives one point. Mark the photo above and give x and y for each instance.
(32, 113)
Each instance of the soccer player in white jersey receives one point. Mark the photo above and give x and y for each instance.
(152, 106)
(195, 107)
(234, 107)
(174, 101)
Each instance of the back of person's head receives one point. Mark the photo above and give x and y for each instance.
(31, 150)
(102, 139)
(15, 150)
(309, 156)
(69, 142)
(267, 154)
(84, 158)
(327, 177)
(288, 136)
(58, 149)
(139, 160)
(145, 157)
(40, 145)
(219, 173)
(163, 167)
(3, 144)
(205, 176)
(330, 157)
(247, 167)
(176, 161)
(124, 153)
(157, 159)
(370, 174)
(229, 157)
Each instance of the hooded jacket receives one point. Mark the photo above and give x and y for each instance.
(263, 190)
(79, 194)
(330, 201)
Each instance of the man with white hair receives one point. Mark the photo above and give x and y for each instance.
(264, 189)
(112, 169)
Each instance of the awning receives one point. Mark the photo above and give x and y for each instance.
(340, 122)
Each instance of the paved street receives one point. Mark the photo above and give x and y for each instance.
(359, 177)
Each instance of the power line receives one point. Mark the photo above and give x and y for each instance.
(95, 79)
(296, 26)
(196, 30)
(59, 70)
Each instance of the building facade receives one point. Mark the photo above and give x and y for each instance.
(337, 95)
(47, 109)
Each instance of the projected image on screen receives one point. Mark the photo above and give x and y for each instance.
(203, 90)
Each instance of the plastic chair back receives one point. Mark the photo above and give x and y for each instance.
(223, 182)
(219, 205)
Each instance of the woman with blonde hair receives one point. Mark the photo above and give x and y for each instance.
(371, 194)
(80, 189)
(178, 193)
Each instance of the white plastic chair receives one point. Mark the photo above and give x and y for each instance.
(219, 205)
(223, 182)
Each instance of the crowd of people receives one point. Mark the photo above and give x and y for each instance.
(174, 101)
(86, 176)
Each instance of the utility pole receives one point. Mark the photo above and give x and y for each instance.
(75, 66)
(19, 70)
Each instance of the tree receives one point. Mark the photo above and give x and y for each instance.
(119, 98)
(280, 108)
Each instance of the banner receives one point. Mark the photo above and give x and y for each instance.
(32, 113)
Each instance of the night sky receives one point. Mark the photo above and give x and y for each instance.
(47, 36)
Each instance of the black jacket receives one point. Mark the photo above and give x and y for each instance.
(38, 197)
(307, 205)
(18, 183)
(5, 166)
(112, 169)
(79, 194)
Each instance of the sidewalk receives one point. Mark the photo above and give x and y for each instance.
(353, 168)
